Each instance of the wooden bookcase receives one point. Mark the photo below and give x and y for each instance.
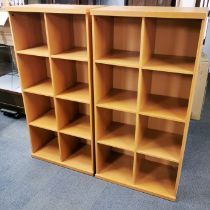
(53, 46)
(145, 65)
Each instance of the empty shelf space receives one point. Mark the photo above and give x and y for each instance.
(42, 88)
(80, 127)
(76, 153)
(120, 58)
(79, 92)
(49, 152)
(121, 40)
(77, 54)
(119, 135)
(36, 51)
(156, 178)
(80, 160)
(115, 166)
(166, 108)
(47, 121)
(169, 63)
(161, 144)
(122, 100)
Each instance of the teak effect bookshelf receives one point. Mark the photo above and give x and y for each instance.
(145, 63)
(145, 68)
(54, 56)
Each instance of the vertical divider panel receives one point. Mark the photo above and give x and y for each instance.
(88, 22)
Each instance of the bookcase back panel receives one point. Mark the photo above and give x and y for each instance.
(124, 117)
(169, 84)
(82, 71)
(174, 36)
(127, 33)
(125, 78)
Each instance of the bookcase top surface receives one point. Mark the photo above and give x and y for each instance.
(147, 11)
(53, 8)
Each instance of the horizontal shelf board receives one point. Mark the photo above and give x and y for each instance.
(77, 54)
(121, 58)
(46, 121)
(157, 179)
(119, 171)
(165, 107)
(41, 51)
(120, 136)
(161, 144)
(50, 151)
(175, 64)
(42, 88)
(121, 100)
(79, 93)
(80, 160)
(79, 128)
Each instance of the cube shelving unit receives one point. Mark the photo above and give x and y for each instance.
(53, 45)
(145, 65)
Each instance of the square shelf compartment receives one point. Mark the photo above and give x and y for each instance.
(114, 165)
(156, 177)
(35, 74)
(72, 29)
(44, 144)
(170, 44)
(71, 80)
(30, 33)
(121, 40)
(119, 90)
(165, 95)
(114, 128)
(40, 111)
(76, 153)
(160, 138)
(74, 118)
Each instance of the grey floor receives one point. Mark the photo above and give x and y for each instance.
(27, 183)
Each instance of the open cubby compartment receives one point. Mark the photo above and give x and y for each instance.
(35, 74)
(170, 44)
(29, 33)
(76, 153)
(114, 128)
(160, 138)
(118, 87)
(165, 95)
(117, 40)
(71, 80)
(40, 111)
(74, 118)
(156, 176)
(67, 36)
(114, 164)
(44, 144)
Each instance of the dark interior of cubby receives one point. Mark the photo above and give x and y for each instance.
(76, 152)
(114, 164)
(156, 176)
(170, 44)
(119, 87)
(40, 111)
(121, 36)
(160, 138)
(44, 143)
(115, 128)
(74, 118)
(29, 30)
(68, 27)
(71, 80)
(165, 94)
(35, 74)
